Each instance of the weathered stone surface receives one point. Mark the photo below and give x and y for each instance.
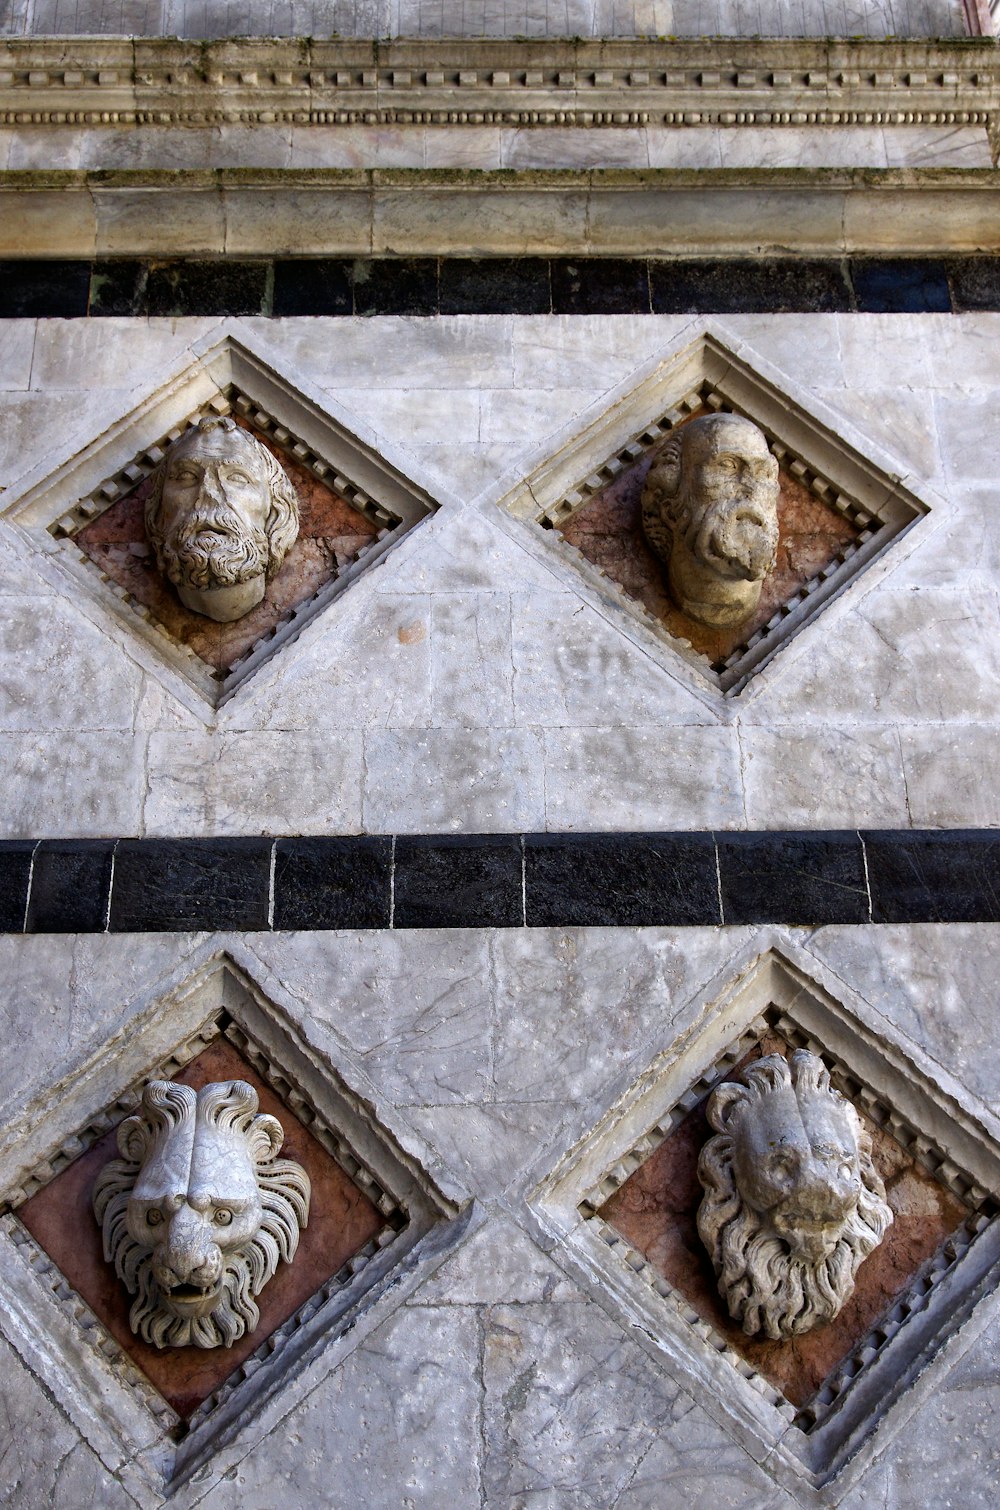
(598, 778)
(44, 1459)
(556, 1375)
(900, 969)
(478, 780)
(312, 787)
(498, 1264)
(949, 1450)
(394, 1424)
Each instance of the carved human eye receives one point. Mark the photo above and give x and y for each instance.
(154, 1218)
(223, 1216)
(242, 477)
(186, 476)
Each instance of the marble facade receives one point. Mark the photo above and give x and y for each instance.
(478, 678)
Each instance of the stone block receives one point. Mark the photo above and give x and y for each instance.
(458, 882)
(332, 883)
(933, 877)
(494, 285)
(947, 775)
(628, 880)
(47, 223)
(184, 223)
(268, 782)
(191, 884)
(15, 873)
(514, 222)
(599, 779)
(826, 777)
(77, 785)
(70, 886)
(453, 780)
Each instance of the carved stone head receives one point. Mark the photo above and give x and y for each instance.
(710, 511)
(221, 517)
(793, 1203)
(198, 1211)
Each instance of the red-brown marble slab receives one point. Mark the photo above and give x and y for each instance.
(341, 1220)
(608, 532)
(331, 533)
(656, 1209)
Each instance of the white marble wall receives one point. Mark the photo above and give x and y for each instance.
(492, 18)
(465, 684)
(501, 1382)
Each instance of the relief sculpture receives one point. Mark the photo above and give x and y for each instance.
(198, 1211)
(710, 511)
(793, 1203)
(221, 517)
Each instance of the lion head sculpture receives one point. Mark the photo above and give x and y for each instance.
(198, 1210)
(710, 511)
(221, 517)
(792, 1203)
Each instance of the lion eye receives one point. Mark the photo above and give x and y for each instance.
(154, 1218)
(223, 1217)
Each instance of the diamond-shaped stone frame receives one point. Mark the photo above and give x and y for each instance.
(706, 373)
(135, 1432)
(225, 375)
(893, 1368)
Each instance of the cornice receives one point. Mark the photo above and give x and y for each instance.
(344, 212)
(73, 81)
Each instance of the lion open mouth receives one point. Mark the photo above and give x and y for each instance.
(191, 1300)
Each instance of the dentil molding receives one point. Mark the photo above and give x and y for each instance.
(726, 82)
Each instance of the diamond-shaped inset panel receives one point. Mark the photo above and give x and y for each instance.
(166, 1409)
(625, 1205)
(837, 510)
(87, 517)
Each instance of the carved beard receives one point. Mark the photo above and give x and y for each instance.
(214, 548)
(730, 535)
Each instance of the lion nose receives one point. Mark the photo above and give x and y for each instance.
(188, 1255)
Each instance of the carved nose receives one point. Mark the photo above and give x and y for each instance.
(188, 1256)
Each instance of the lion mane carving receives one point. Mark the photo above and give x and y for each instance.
(793, 1203)
(198, 1211)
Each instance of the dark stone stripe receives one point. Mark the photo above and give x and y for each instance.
(800, 879)
(498, 285)
(624, 879)
(178, 885)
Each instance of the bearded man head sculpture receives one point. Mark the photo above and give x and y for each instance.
(793, 1203)
(221, 517)
(710, 511)
(198, 1211)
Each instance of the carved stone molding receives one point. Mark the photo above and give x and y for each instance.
(843, 508)
(84, 519)
(733, 82)
(404, 212)
(620, 1208)
(155, 1418)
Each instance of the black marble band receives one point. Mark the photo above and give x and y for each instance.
(798, 878)
(497, 285)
